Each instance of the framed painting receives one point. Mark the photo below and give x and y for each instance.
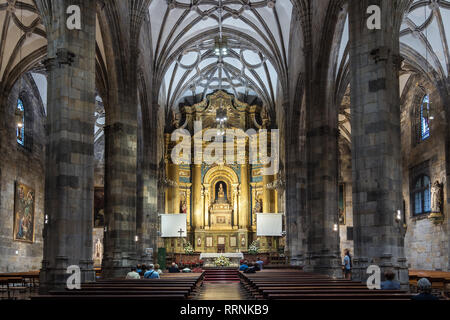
(209, 242)
(233, 242)
(24, 203)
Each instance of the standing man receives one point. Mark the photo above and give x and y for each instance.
(347, 265)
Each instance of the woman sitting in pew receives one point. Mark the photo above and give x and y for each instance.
(424, 287)
(158, 269)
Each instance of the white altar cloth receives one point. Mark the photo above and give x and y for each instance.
(238, 255)
(209, 258)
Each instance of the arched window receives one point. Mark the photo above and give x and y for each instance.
(421, 195)
(424, 118)
(20, 122)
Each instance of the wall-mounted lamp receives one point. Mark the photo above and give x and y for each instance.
(105, 229)
(335, 227)
(398, 216)
(136, 238)
(46, 219)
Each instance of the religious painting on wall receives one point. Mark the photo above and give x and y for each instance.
(341, 204)
(209, 242)
(24, 200)
(233, 242)
(99, 207)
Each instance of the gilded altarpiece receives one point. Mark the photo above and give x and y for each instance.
(221, 199)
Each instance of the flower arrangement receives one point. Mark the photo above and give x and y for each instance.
(222, 262)
(188, 249)
(254, 247)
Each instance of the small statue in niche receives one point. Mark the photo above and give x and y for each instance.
(257, 209)
(175, 120)
(98, 249)
(183, 207)
(436, 203)
(341, 217)
(436, 197)
(221, 192)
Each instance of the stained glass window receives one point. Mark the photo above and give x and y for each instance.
(421, 196)
(20, 125)
(425, 118)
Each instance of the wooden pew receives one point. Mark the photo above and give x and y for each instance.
(297, 285)
(440, 280)
(177, 287)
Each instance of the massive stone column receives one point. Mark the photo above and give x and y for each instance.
(296, 222)
(120, 195)
(121, 136)
(70, 149)
(322, 176)
(146, 216)
(376, 148)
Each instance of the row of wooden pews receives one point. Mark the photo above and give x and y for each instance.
(18, 281)
(440, 280)
(299, 285)
(168, 287)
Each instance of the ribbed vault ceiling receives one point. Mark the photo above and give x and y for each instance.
(424, 38)
(183, 33)
(425, 33)
(22, 37)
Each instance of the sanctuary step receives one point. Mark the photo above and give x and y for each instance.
(221, 275)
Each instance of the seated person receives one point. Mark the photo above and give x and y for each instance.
(138, 269)
(424, 287)
(390, 284)
(186, 270)
(244, 266)
(197, 269)
(174, 268)
(260, 263)
(151, 273)
(143, 270)
(133, 274)
(158, 269)
(252, 269)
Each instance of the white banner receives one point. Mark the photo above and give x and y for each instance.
(172, 224)
(269, 224)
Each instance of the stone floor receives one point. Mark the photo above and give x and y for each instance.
(222, 291)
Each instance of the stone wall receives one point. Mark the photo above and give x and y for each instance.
(24, 165)
(426, 244)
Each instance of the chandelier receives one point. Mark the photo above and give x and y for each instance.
(220, 42)
(220, 46)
